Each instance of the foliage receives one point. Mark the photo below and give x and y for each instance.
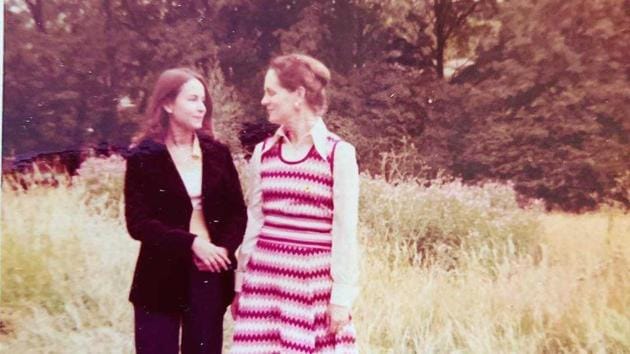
(379, 107)
(428, 33)
(60, 100)
(444, 219)
(540, 102)
(547, 102)
(102, 179)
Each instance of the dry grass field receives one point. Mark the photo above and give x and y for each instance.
(447, 268)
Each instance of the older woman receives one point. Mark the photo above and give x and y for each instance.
(298, 265)
(183, 202)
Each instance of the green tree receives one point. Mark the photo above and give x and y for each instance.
(425, 29)
(80, 76)
(547, 102)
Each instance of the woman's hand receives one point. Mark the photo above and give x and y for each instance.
(337, 317)
(235, 304)
(208, 257)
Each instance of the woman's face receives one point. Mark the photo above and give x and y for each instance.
(279, 102)
(188, 109)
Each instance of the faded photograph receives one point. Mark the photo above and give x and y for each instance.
(298, 176)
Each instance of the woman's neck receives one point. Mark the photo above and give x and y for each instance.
(298, 130)
(178, 137)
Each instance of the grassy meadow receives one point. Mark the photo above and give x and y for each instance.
(446, 268)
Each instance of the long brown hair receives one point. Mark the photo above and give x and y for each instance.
(166, 90)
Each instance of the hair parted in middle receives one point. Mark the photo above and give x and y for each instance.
(166, 89)
(295, 70)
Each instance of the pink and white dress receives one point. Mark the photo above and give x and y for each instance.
(286, 287)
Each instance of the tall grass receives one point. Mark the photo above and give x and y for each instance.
(65, 270)
(445, 268)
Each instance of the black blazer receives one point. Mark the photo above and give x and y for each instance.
(158, 211)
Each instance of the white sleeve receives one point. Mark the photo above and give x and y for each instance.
(345, 248)
(254, 216)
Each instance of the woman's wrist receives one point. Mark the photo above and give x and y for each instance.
(194, 240)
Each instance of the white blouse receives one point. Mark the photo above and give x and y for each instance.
(192, 182)
(345, 249)
(190, 173)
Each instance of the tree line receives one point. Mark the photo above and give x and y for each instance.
(530, 92)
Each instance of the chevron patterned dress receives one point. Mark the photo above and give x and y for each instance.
(287, 284)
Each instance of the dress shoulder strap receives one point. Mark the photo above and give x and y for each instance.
(332, 141)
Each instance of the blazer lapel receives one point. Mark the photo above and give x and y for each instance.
(170, 175)
(211, 166)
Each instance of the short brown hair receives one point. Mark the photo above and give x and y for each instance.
(166, 90)
(295, 70)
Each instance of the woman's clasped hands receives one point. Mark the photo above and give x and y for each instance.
(208, 257)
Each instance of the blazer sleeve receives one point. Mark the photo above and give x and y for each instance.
(140, 216)
(234, 220)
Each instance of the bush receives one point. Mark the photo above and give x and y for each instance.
(103, 180)
(439, 220)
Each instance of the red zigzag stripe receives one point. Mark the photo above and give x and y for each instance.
(319, 321)
(297, 228)
(284, 295)
(293, 250)
(271, 195)
(296, 215)
(327, 181)
(274, 270)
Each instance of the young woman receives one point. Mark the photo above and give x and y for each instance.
(183, 202)
(298, 265)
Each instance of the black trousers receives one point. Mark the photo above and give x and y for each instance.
(201, 322)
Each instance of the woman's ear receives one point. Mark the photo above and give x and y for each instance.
(168, 108)
(301, 92)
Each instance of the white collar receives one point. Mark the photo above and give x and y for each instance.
(318, 134)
